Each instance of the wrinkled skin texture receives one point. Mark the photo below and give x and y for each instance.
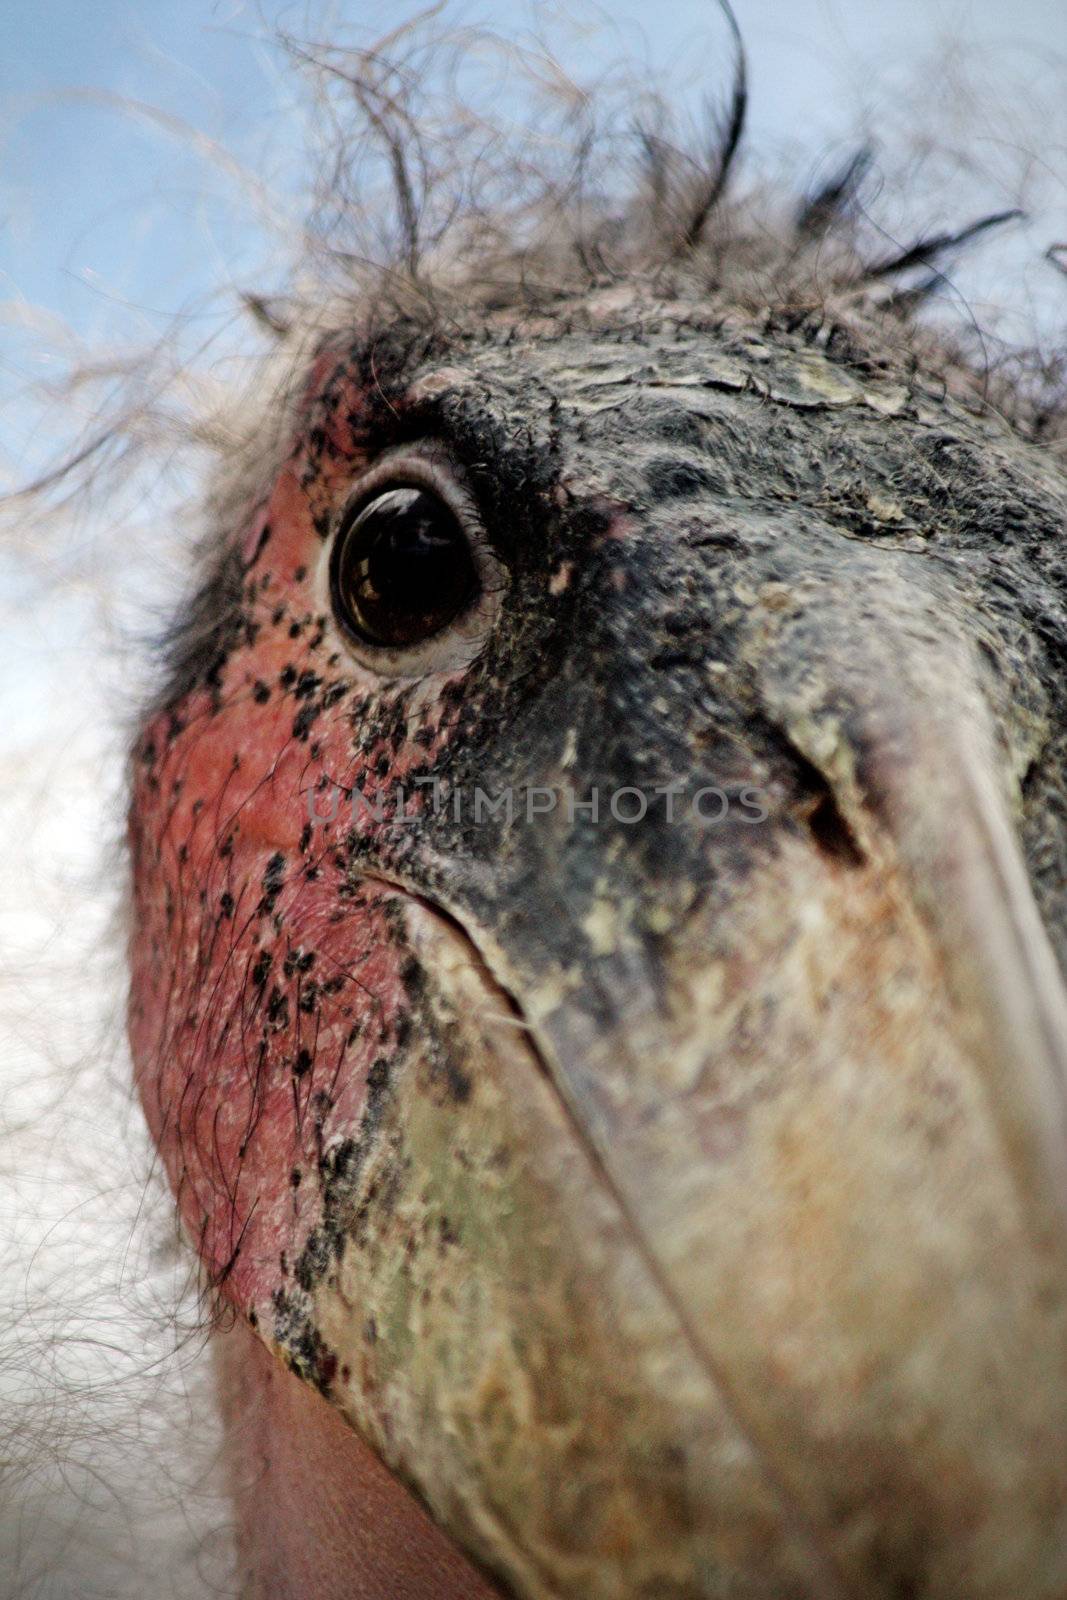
(678, 1210)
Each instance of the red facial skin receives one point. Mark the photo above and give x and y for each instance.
(265, 986)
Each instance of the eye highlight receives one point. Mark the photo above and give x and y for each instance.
(402, 569)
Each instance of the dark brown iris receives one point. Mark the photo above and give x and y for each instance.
(401, 569)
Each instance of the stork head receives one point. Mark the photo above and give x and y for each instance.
(594, 866)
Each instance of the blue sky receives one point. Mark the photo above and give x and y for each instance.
(97, 207)
(111, 227)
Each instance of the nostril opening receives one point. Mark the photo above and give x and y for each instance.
(828, 826)
(832, 833)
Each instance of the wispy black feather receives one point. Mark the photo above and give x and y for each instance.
(833, 200)
(926, 251)
(728, 131)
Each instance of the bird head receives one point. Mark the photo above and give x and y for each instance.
(594, 866)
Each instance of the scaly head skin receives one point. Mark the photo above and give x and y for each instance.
(676, 1205)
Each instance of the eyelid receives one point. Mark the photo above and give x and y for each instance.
(408, 467)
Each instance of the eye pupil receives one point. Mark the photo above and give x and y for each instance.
(402, 569)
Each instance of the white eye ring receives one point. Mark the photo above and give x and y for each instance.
(456, 645)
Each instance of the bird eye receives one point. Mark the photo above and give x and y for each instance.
(402, 569)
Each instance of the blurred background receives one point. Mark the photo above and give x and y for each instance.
(153, 161)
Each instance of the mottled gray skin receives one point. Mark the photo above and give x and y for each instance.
(807, 1236)
(767, 488)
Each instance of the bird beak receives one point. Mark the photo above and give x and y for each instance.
(739, 1266)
